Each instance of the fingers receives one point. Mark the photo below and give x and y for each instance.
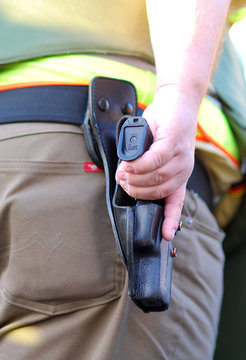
(158, 183)
(163, 170)
(172, 212)
(151, 160)
(153, 178)
(154, 192)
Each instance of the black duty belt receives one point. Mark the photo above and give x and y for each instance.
(68, 104)
(55, 103)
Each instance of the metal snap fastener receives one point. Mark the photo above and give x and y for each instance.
(179, 228)
(103, 104)
(174, 253)
(189, 220)
(127, 108)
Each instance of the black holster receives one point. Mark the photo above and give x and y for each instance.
(136, 224)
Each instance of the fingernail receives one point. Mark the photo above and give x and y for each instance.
(122, 175)
(124, 185)
(130, 169)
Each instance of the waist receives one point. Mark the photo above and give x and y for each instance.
(78, 69)
(68, 104)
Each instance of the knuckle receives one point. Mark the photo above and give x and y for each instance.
(158, 178)
(133, 192)
(159, 193)
(158, 159)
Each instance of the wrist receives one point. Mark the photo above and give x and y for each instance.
(190, 76)
(186, 95)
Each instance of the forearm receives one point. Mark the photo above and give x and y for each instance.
(185, 36)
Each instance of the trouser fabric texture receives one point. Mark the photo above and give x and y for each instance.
(63, 286)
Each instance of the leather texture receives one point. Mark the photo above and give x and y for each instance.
(100, 134)
(148, 255)
(136, 223)
(65, 104)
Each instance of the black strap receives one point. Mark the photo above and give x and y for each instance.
(55, 103)
(199, 182)
(68, 104)
(103, 122)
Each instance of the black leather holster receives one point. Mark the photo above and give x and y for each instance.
(136, 224)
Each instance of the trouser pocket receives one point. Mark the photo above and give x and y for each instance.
(197, 280)
(57, 250)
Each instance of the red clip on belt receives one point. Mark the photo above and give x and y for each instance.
(68, 104)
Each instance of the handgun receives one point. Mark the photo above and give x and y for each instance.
(148, 255)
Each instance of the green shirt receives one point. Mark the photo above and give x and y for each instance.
(31, 29)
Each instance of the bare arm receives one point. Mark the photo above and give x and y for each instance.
(185, 37)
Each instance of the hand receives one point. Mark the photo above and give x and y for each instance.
(163, 170)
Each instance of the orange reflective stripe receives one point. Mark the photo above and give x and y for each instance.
(238, 190)
(219, 146)
(199, 135)
(52, 83)
(141, 105)
(40, 83)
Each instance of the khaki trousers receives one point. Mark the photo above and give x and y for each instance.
(63, 287)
